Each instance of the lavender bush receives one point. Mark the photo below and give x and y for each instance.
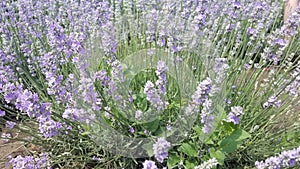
(220, 88)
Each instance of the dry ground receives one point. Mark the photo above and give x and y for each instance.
(14, 148)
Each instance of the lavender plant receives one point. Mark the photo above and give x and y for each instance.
(63, 82)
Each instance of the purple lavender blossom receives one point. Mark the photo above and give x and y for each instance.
(169, 127)
(102, 77)
(57, 88)
(230, 27)
(89, 94)
(285, 159)
(293, 89)
(109, 43)
(259, 5)
(27, 101)
(2, 113)
(161, 73)
(151, 24)
(22, 162)
(202, 92)
(24, 100)
(251, 31)
(131, 129)
(153, 97)
(272, 101)
(247, 66)
(160, 149)
(49, 127)
(75, 114)
(237, 5)
(148, 164)
(30, 162)
(10, 124)
(292, 23)
(280, 42)
(43, 161)
(234, 115)
(199, 97)
(206, 116)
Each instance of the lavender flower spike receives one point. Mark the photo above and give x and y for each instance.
(285, 159)
(202, 92)
(206, 116)
(272, 101)
(160, 149)
(161, 73)
(234, 115)
(200, 96)
(153, 97)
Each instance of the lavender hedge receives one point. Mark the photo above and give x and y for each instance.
(150, 84)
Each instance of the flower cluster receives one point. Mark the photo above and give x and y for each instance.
(131, 129)
(61, 92)
(160, 149)
(220, 69)
(49, 127)
(88, 93)
(155, 92)
(153, 97)
(41, 162)
(161, 73)
(148, 164)
(272, 101)
(29, 102)
(289, 158)
(234, 115)
(10, 124)
(75, 114)
(102, 77)
(206, 116)
(200, 96)
(202, 92)
(25, 100)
